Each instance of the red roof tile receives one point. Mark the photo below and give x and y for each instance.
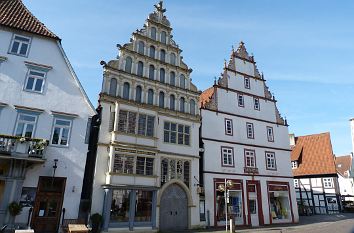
(206, 96)
(14, 14)
(343, 165)
(314, 155)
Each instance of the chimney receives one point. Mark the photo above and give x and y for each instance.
(292, 139)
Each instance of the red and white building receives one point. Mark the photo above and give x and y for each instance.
(248, 146)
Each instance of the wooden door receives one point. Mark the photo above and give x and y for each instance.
(48, 204)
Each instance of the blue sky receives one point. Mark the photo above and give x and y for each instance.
(304, 48)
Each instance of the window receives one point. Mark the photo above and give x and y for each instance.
(126, 91)
(113, 87)
(175, 169)
(152, 51)
(153, 33)
(144, 166)
(296, 183)
(127, 122)
(228, 127)
(151, 72)
(138, 94)
(192, 107)
(123, 164)
(227, 156)
(172, 78)
(250, 131)
(240, 100)
(250, 158)
(150, 99)
(270, 161)
(182, 81)
(161, 99)
(173, 59)
(128, 65)
(256, 104)
(141, 47)
(247, 83)
(140, 71)
(131, 122)
(171, 136)
(172, 102)
(61, 132)
(181, 104)
(35, 81)
(162, 75)
(20, 45)
(25, 125)
(270, 135)
(146, 125)
(327, 183)
(294, 164)
(162, 55)
(163, 37)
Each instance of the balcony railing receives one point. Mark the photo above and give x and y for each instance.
(28, 147)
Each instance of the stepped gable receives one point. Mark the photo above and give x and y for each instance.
(14, 14)
(314, 155)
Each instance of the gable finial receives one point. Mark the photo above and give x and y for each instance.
(159, 7)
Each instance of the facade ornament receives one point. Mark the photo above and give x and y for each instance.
(159, 7)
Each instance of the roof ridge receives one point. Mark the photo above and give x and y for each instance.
(315, 134)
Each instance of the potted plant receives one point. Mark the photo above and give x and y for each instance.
(14, 210)
(96, 222)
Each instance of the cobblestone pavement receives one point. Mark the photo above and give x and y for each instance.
(338, 223)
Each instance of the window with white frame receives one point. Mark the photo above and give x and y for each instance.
(35, 81)
(250, 158)
(20, 45)
(247, 83)
(240, 100)
(250, 131)
(228, 127)
(256, 104)
(327, 183)
(25, 125)
(133, 123)
(270, 161)
(61, 132)
(294, 164)
(270, 135)
(176, 133)
(296, 183)
(227, 156)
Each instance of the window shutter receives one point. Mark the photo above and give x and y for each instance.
(111, 121)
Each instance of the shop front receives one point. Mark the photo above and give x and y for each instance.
(129, 208)
(280, 209)
(234, 207)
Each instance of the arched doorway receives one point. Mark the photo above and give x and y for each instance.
(173, 209)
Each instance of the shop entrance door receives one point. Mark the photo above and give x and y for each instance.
(253, 208)
(48, 204)
(173, 209)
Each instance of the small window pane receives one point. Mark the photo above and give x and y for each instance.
(56, 133)
(15, 46)
(38, 86)
(24, 48)
(30, 83)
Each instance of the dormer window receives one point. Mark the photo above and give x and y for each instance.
(20, 45)
(294, 164)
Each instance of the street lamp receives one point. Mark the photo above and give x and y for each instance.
(225, 188)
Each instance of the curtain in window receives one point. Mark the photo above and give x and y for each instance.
(126, 90)
(140, 69)
(128, 65)
(141, 47)
(151, 72)
(150, 96)
(113, 87)
(162, 75)
(181, 104)
(138, 94)
(161, 99)
(182, 81)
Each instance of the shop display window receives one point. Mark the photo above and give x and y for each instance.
(120, 206)
(234, 205)
(279, 205)
(143, 206)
